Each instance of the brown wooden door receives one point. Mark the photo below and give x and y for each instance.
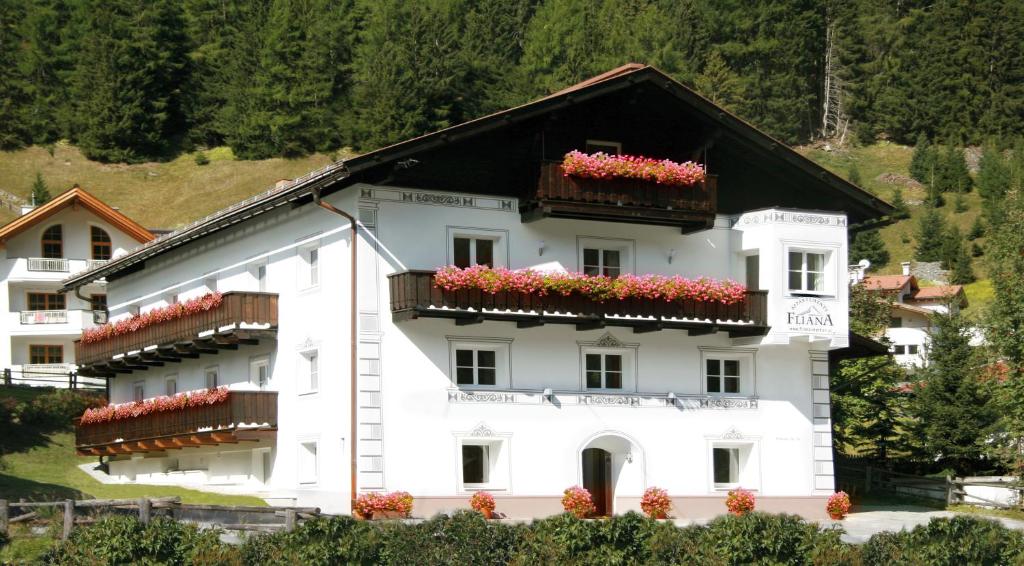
(597, 476)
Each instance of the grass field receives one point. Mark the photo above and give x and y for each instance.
(157, 195)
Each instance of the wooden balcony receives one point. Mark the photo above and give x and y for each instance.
(241, 319)
(414, 295)
(244, 416)
(621, 200)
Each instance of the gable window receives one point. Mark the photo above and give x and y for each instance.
(310, 361)
(138, 391)
(475, 464)
(475, 366)
(895, 322)
(807, 271)
(308, 462)
(212, 377)
(46, 302)
(46, 354)
(604, 371)
(609, 147)
(473, 251)
(53, 242)
(102, 247)
(723, 376)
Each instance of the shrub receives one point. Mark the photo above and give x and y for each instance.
(957, 540)
(465, 537)
(655, 503)
(482, 502)
(838, 505)
(334, 540)
(577, 500)
(565, 539)
(57, 408)
(740, 501)
(201, 158)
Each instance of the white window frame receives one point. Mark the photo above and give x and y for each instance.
(747, 358)
(310, 266)
(829, 274)
(215, 370)
(625, 247)
(499, 237)
(254, 363)
(604, 143)
(254, 271)
(748, 474)
(502, 361)
(170, 380)
(610, 345)
(499, 460)
(309, 371)
(303, 475)
(603, 370)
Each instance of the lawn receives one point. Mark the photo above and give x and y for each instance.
(157, 195)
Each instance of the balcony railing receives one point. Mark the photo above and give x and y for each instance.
(44, 317)
(414, 295)
(58, 264)
(238, 311)
(193, 426)
(623, 200)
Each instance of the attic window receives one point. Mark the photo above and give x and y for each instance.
(609, 147)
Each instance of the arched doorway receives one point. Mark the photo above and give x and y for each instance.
(597, 478)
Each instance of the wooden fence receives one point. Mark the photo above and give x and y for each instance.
(950, 489)
(290, 516)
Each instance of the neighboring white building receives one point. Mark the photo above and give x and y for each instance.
(396, 385)
(912, 310)
(71, 233)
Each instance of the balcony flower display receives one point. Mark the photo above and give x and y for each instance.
(596, 287)
(577, 500)
(601, 165)
(483, 502)
(838, 505)
(162, 404)
(207, 302)
(394, 505)
(740, 501)
(655, 503)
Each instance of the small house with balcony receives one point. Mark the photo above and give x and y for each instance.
(474, 310)
(72, 233)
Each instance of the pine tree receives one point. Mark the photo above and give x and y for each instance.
(977, 250)
(923, 161)
(719, 83)
(868, 245)
(954, 417)
(931, 231)
(40, 192)
(901, 210)
(959, 204)
(952, 174)
(994, 178)
(492, 43)
(962, 272)
(14, 97)
(127, 81)
(977, 229)
(952, 245)
(44, 62)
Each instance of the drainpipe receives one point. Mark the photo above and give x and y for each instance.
(354, 341)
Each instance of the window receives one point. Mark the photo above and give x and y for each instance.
(98, 302)
(171, 385)
(475, 464)
(309, 267)
(46, 302)
(807, 272)
(753, 271)
(899, 349)
(604, 371)
(211, 284)
(912, 349)
(261, 277)
(473, 251)
(212, 378)
(46, 354)
(53, 242)
(723, 376)
(138, 391)
(171, 298)
(259, 372)
(308, 462)
(726, 466)
(102, 247)
(895, 322)
(609, 147)
(475, 366)
(310, 371)
(602, 262)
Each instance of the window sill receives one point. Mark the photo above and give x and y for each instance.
(811, 294)
(309, 393)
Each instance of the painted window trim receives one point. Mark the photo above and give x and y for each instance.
(752, 480)
(630, 363)
(502, 360)
(831, 273)
(748, 366)
(502, 465)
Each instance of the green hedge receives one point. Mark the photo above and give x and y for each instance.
(465, 538)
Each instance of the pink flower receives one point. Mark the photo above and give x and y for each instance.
(207, 302)
(167, 403)
(577, 500)
(740, 501)
(655, 503)
(604, 166)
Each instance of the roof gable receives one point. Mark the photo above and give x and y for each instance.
(75, 196)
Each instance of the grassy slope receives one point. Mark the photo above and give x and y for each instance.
(900, 238)
(157, 195)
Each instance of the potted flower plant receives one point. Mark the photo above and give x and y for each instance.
(577, 500)
(376, 506)
(740, 501)
(838, 505)
(484, 503)
(655, 503)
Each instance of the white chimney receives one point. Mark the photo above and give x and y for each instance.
(27, 208)
(906, 267)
